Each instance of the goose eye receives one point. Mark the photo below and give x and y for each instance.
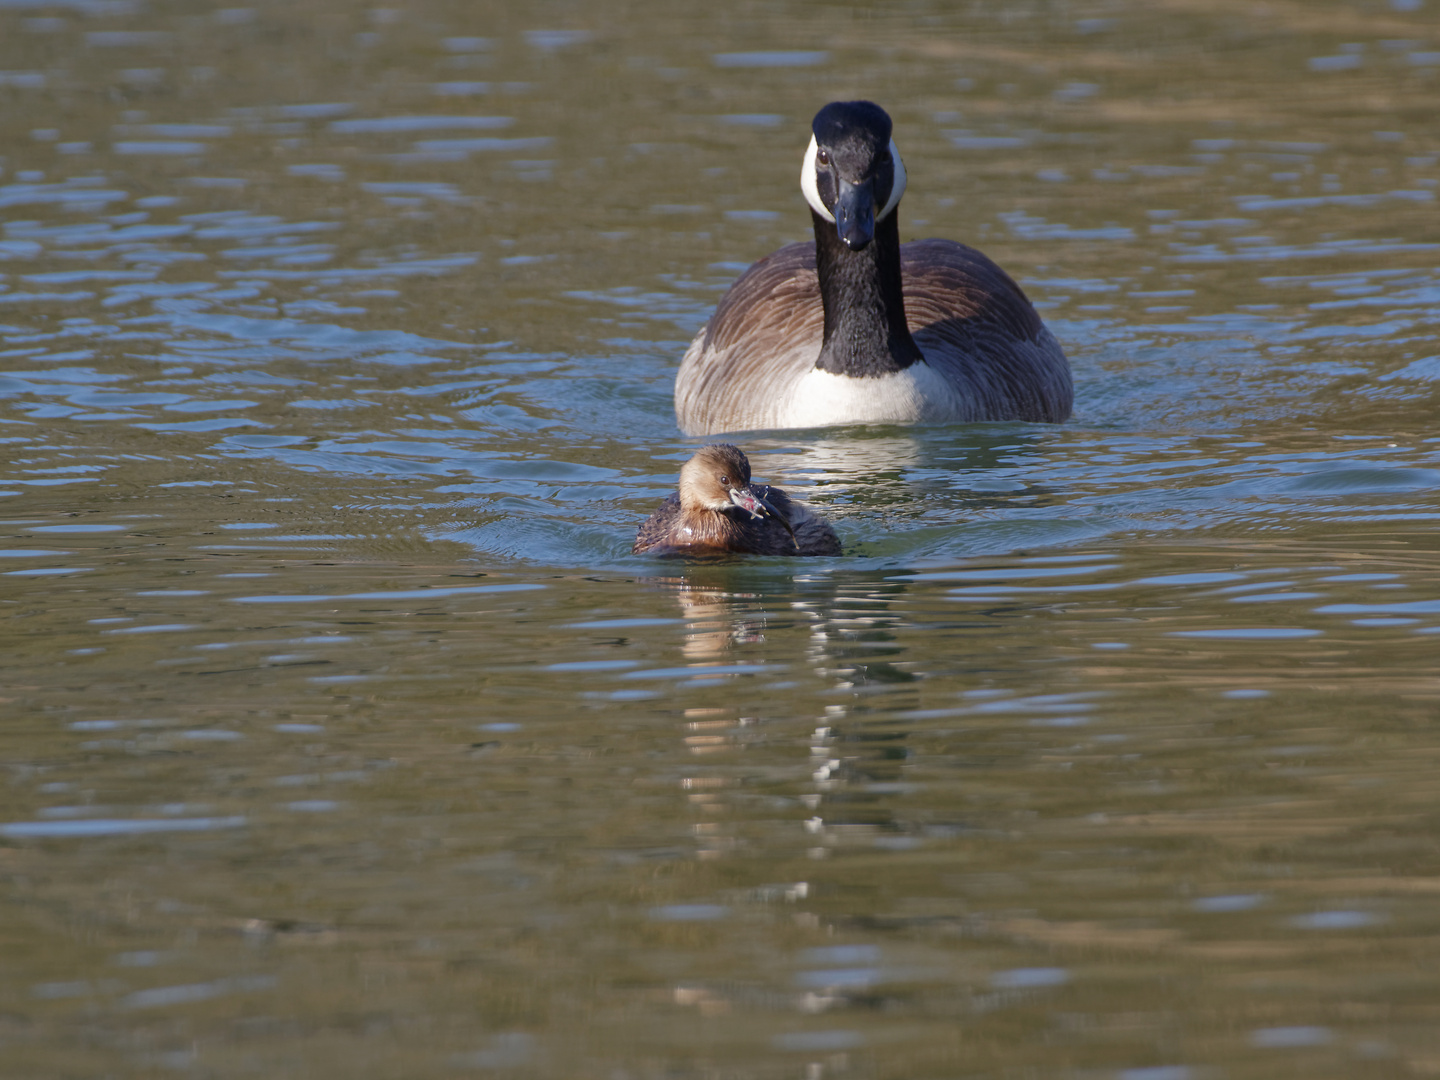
(822, 157)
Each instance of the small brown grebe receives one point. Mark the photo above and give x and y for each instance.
(718, 509)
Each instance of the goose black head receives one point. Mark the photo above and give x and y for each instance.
(852, 176)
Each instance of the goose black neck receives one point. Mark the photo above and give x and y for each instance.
(865, 330)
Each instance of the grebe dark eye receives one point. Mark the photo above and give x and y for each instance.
(823, 157)
(724, 481)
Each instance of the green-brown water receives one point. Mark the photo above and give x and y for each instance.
(342, 736)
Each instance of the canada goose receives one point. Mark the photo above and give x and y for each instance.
(824, 333)
(718, 509)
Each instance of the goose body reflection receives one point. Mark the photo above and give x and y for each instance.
(855, 328)
(718, 510)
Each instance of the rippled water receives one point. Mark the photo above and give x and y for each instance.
(344, 736)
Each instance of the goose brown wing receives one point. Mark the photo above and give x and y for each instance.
(976, 325)
(955, 291)
(778, 298)
(765, 333)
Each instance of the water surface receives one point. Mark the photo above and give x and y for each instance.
(344, 736)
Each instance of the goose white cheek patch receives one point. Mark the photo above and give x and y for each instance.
(812, 192)
(807, 183)
(896, 189)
